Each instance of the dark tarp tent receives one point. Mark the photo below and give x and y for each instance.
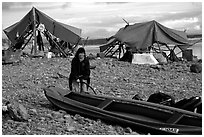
(141, 36)
(62, 31)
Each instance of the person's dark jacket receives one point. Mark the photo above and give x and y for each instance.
(79, 70)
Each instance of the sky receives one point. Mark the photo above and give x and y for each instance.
(99, 19)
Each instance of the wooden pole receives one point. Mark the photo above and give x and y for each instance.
(109, 50)
(85, 42)
(27, 41)
(60, 49)
(34, 32)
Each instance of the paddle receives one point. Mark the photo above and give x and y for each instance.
(63, 76)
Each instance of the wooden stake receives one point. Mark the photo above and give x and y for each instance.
(34, 32)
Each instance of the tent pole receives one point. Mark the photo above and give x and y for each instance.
(123, 50)
(77, 43)
(180, 51)
(172, 50)
(60, 49)
(106, 50)
(115, 51)
(159, 46)
(27, 41)
(85, 42)
(58, 46)
(34, 32)
(167, 47)
(120, 48)
(48, 37)
(110, 50)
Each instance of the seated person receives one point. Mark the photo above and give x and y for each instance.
(128, 56)
(80, 72)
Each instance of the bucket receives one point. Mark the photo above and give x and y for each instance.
(49, 55)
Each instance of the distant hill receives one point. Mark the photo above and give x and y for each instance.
(194, 35)
(94, 41)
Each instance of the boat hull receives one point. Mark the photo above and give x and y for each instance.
(141, 116)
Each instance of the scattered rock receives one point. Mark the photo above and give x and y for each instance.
(42, 118)
(10, 121)
(196, 68)
(41, 129)
(34, 111)
(137, 97)
(70, 128)
(158, 67)
(17, 111)
(60, 120)
(62, 111)
(56, 114)
(49, 116)
(128, 130)
(4, 108)
(68, 118)
(5, 101)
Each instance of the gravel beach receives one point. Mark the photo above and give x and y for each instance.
(23, 82)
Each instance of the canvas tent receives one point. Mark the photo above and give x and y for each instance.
(143, 36)
(28, 24)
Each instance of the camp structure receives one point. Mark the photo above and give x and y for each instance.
(35, 21)
(143, 37)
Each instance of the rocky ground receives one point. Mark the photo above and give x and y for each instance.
(23, 82)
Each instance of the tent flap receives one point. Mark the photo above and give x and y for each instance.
(140, 36)
(19, 28)
(62, 31)
(105, 46)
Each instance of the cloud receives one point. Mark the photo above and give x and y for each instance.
(111, 3)
(182, 15)
(185, 20)
(13, 6)
(6, 5)
(100, 18)
(66, 5)
(28, 5)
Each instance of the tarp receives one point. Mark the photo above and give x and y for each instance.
(140, 36)
(64, 32)
(105, 46)
(144, 58)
